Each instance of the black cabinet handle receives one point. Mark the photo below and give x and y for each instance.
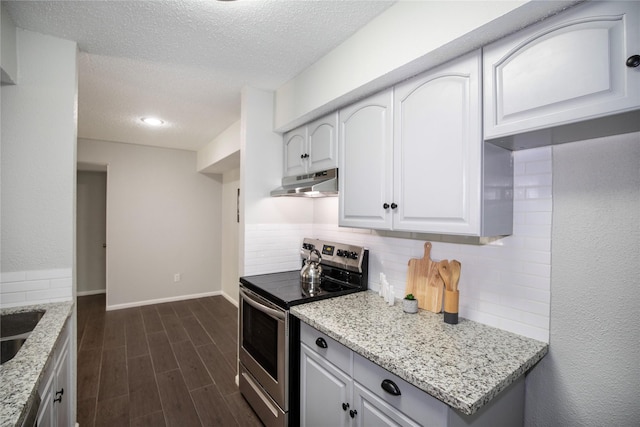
(393, 206)
(385, 206)
(345, 406)
(633, 61)
(390, 387)
(353, 413)
(59, 395)
(320, 342)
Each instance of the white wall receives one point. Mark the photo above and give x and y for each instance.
(260, 172)
(591, 376)
(406, 39)
(230, 234)
(223, 153)
(39, 125)
(9, 57)
(163, 218)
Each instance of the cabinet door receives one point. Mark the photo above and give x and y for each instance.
(46, 413)
(437, 150)
(62, 395)
(323, 391)
(568, 68)
(366, 162)
(323, 143)
(295, 149)
(372, 411)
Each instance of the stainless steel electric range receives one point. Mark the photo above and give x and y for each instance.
(269, 334)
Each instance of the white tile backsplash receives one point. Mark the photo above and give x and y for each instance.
(35, 287)
(505, 283)
(270, 248)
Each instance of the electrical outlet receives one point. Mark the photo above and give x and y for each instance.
(177, 277)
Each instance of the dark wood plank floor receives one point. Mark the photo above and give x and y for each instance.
(171, 364)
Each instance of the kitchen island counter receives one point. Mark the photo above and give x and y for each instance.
(20, 376)
(464, 365)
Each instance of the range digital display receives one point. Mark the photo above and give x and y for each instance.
(328, 250)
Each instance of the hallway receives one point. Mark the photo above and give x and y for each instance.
(171, 364)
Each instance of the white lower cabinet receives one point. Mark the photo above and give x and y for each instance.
(55, 387)
(324, 389)
(341, 388)
(373, 411)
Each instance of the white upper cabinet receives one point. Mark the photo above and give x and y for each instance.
(569, 68)
(295, 147)
(311, 148)
(365, 174)
(438, 150)
(419, 166)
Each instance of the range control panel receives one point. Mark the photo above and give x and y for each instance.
(339, 255)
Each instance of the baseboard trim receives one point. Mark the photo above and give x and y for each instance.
(85, 293)
(161, 300)
(228, 298)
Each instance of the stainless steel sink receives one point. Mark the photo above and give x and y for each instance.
(14, 331)
(9, 348)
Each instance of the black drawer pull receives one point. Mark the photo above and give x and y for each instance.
(390, 387)
(320, 342)
(353, 413)
(633, 61)
(345, 406)
(59, 395)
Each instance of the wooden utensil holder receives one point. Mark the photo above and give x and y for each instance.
(451, 306)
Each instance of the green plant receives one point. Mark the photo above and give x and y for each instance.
(410, 297)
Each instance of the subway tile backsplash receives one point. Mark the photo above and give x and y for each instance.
(505, 283)
(35, 287)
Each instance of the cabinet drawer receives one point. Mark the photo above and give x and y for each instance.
(334, 352)
(412, 401)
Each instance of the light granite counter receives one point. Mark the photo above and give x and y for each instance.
(20, 376)
(464, 365)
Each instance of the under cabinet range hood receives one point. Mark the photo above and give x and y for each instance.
(317, 184)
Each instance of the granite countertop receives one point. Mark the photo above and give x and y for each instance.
(464, 365)
(20, 376)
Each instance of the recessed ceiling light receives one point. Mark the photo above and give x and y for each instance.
(152, 121)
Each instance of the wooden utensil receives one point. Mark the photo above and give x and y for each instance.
(455, 268)
(445, 273)
(451, 295)
(435, 289)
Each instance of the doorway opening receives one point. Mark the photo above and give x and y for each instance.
(91, 229)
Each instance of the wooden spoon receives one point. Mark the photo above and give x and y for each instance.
(455, 268)
(445, 273)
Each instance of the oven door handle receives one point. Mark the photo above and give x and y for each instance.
(270, 311)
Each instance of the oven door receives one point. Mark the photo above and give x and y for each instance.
(264, 344)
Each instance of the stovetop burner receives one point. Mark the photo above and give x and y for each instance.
(345, 271)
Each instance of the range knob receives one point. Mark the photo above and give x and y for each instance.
(340, 252)
(353, 255)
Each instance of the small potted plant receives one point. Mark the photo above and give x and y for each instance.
(410, 304)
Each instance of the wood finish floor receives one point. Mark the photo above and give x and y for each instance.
(171, 364)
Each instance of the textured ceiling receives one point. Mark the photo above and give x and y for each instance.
(185, 61)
